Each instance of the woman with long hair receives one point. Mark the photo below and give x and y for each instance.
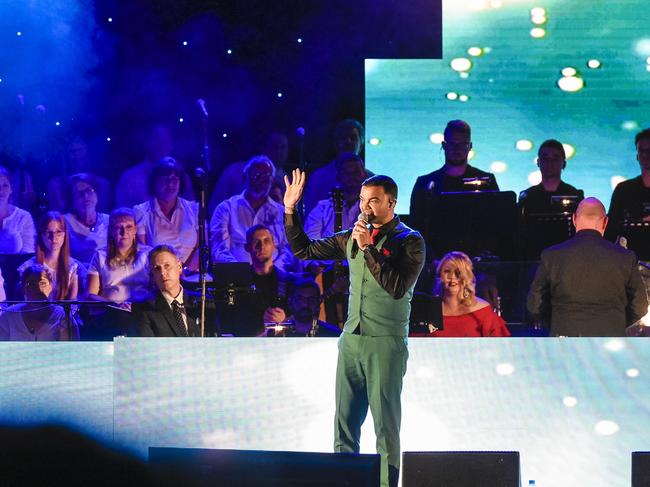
(119, 271)
(53, 251)
(36, 320)
(463, 313)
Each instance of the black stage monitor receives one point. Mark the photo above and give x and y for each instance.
(477, 223)
(193, 467)
(426, 313)
(460, 469)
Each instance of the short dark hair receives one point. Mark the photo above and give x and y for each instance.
(165, 167)
(390, 187)
(644, 134)
(350, 122)
(82, 177)
(255, 228)
(459, 126)
(305, 284)
(159, 249)
(35, 270)
(553, 144)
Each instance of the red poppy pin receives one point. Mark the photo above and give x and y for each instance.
(385, 252)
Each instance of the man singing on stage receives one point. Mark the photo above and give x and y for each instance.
(384, 266)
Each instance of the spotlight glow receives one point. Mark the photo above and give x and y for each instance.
(594, 64)
(279, 94)
(229, 51)
(436, 138)
(181, 120)
(537, 32)
(19, 33)
(185, 43)
(524, 144)
(614, 180)
(538, 19)
(475, 51)
(452, 95)
(615, 345)
(57, 123)
(632, 373)
(642, 47)
(606, 428)
(498, 166)
(110, 19)
(108, 139)
(569, 150)
(569, 401)
(534, 178)
(461, 64)
(569, 71)
(629, 125)
(571, 84)
(299, 40)
(505, 368)
(374, 141)
(224, 135)
(496, 4)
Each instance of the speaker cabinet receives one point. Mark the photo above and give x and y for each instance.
(250, 468)
(640, 469)
(460, 469)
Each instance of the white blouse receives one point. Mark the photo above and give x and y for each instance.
(18, 233)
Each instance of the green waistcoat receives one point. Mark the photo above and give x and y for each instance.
(377, 311)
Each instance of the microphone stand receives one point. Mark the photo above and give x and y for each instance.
(302, 164)
(204, 253)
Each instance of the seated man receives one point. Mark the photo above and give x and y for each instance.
(233, 217)
(449, 178)
(304, 302)
(166, 313)
(551, 160)
(590, 287)
(268, 304)
(631, 199)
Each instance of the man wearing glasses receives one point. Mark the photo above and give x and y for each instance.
(449, 178)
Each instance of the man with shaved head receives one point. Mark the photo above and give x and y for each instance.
(588, 285)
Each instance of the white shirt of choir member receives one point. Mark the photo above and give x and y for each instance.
(18, 233)
(179, 298)
(181, 231)
(125, 282)
(13, 327)
(320, 220)
(233, 217)
(84, 241)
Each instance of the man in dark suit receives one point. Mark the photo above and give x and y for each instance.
(590, 286)
(166, 313)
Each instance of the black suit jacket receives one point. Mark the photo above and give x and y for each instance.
(590, 286)
(155, 318)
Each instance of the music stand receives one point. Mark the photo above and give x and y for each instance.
(476, 222)
(542, 230)
(232, 281)
(426, 313)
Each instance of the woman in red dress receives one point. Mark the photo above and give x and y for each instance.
(463, 313)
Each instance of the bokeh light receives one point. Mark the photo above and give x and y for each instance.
(534, 178)
(463, 98)
(630, 125)
(537, 12)
(461, 64)
(498, 166)
(537, 32)
(524, 145)
(614, 180)
(569, 71)
(594, 64)
(569, 150)
(374, 141)
(632, 373)
(571, 84)
(606, 428)
(452, 95)
(505, 368)
(475, 51)
(570, 401)
(436, 138)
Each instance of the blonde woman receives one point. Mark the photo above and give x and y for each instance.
(463, 313)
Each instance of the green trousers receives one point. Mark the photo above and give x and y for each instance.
(369, 372)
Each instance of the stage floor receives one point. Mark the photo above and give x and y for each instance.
(575, 409)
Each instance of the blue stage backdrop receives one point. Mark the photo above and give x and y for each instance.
(518, 72)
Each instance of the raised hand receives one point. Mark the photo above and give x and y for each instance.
(294, 188)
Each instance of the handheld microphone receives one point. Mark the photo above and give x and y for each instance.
(355, 245)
